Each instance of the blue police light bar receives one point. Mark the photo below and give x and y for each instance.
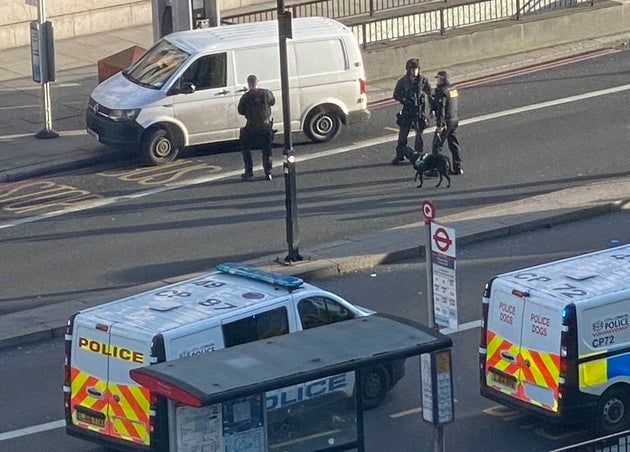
(278, 279)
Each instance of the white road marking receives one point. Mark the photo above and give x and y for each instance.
(33, 430)
(37, 86)
(405, 413)
(65, 133)
(462, 327)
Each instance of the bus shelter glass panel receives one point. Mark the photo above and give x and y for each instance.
(313, 416)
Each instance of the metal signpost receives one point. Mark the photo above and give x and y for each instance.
(436, 379)
(43, 63)
(440, 257)
(429, 212)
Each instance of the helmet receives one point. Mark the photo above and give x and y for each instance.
(443, 76)
(412, 63)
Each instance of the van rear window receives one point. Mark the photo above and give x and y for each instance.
(258, 326)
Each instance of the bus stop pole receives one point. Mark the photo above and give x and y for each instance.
(438, 438)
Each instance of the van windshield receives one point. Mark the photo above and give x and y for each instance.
(155, 67)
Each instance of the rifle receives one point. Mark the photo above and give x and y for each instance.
(419, 105)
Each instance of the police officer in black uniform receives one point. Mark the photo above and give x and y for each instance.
(445, 99)
(256, 105)
(414, 93)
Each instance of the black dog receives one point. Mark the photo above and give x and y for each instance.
(430, 162)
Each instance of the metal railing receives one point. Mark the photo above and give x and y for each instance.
(334, 9)
(619, 442)
(392, 25)
(442, 19)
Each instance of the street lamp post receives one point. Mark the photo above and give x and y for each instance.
(288, 155)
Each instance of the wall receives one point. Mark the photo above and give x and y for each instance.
(72, 18)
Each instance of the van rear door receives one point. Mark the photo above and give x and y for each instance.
(540, 354)
(103, 398)
(523, 346)
(88, 376)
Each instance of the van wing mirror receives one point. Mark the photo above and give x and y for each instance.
(187, 88)
(181, 88)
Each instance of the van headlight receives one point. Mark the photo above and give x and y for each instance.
(124, 115)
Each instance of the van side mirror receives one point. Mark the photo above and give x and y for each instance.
(187, 88)
(181, 88)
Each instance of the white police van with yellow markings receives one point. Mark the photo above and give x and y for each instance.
(555, 339)
(235, 305)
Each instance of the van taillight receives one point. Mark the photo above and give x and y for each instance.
(153, 403)
(483, 339)
(485, 303)
(362, 86)
(67, 390)
(568, 347)
(483, 333)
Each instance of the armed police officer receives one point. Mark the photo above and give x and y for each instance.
(256, 105)
(414, 93)
(447, 119)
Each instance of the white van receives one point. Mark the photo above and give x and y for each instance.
(232, 306)
(555, 339)
(185, 89)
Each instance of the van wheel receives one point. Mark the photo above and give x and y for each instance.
(613, 410)
(159, 147)
(322, 125)
(375, 385)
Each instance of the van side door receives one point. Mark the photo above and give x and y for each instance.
(264, 63)
(317, 310)
(262, 323)
(208, 112)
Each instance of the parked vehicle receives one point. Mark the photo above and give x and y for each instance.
(555, 339)
(235, 305)
(185, 89)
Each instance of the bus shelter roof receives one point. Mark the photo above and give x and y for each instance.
(289, 359)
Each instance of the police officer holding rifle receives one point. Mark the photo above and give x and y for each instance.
(414, 93)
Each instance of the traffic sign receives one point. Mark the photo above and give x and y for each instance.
(442, 240)
(444, 281)
(428, 211)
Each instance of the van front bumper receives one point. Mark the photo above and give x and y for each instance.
(112, 133)
(355, 117)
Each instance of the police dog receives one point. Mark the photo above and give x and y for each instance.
(429, 162)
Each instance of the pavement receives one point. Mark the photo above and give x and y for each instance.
(23, 156)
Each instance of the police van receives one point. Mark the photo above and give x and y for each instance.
(555, 339)
(234, 305)
(185, 89)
